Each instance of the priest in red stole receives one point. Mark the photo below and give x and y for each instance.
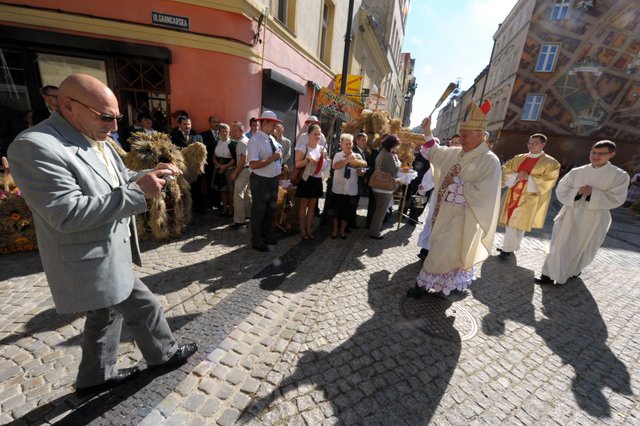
(530, 178)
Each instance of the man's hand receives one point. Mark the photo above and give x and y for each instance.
(522, 175)
(276, 155)
(175, 171)
(426, 125)
(448, 180)
(152, 183)
(585, 190)
(233, 176)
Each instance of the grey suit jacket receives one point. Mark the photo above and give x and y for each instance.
(84, 225)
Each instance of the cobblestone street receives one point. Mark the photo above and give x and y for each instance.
(321, 332)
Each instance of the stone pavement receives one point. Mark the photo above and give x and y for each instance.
(321, 332)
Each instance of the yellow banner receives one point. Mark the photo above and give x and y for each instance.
(354, 83)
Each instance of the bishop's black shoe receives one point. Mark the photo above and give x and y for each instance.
(416, 291)
(423, 254)
(504, 255)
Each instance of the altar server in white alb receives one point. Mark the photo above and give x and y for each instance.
(587, 194)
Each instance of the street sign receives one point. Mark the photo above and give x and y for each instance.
(354, 83)
(170, 21)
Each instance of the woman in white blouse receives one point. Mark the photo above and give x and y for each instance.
(345, 185)
(224, 164)
(313, 158)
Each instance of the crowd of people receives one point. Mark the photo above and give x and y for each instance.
(84, 201)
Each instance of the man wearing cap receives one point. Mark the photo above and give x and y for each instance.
(530, 178)
(467, 181)
(265, 159)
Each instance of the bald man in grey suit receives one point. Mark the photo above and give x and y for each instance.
(83, 200)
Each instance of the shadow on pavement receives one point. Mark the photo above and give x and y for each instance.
(507, 290)
(86, 410)
(576, 332)
(47, 320)
(573, 328)
(386, 371)
(19, 265)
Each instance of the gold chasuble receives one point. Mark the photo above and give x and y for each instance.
(522, 209)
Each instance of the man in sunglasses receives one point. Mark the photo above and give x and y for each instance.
(83, 201)
(587, 194)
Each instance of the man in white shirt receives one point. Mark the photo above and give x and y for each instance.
(265, 159)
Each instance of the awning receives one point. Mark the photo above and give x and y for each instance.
(275, 76)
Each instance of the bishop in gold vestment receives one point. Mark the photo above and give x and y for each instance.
(467, 179)
(530, 178)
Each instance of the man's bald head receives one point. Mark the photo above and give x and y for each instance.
(82, 99)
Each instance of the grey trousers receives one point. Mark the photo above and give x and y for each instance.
(241, 196)
(382, 204)
(144, 317)
(263, 207)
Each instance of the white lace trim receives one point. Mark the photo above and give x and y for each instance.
(457, 279)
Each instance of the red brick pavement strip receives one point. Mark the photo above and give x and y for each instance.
(563, 355)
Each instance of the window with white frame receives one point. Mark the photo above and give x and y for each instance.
(560, 9)
(532, 107)
(547, 57)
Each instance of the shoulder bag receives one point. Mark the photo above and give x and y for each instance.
(382, 180)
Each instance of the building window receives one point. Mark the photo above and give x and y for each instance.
(325, 32)
(55, 68)
(560, 9)
(532, 107)
(547, 57)
(282, 9)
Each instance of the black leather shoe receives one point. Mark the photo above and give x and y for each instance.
(260, 247)
(416, 292)
(271, 241)
(238, 225)
(179, 357)
(504, 255)
(376, 237)
(543, 280)
(576, 276)
(423, 254)
(123, 375)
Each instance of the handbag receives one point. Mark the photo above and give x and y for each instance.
(296, 173)
(382, 180)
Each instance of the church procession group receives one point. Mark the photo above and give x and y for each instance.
(466, 206)
(84, 201)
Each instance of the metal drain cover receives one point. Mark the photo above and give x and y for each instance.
(439, 317)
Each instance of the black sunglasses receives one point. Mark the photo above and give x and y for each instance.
(107, 118)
